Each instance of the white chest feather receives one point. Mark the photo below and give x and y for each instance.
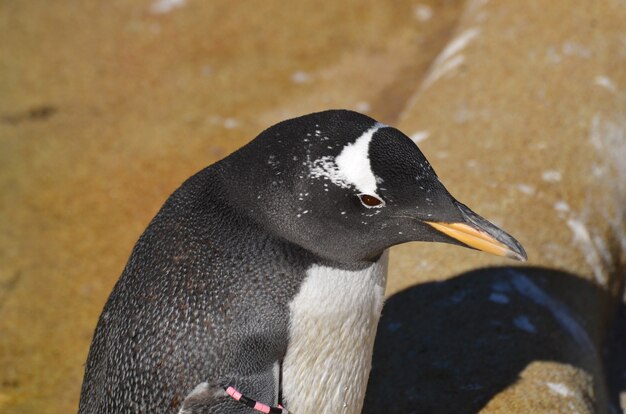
(333, 326)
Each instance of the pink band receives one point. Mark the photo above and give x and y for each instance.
(261, 407)
(233, 393)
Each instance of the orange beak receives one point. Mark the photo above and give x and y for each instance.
(477, 238)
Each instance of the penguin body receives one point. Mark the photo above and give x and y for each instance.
(266, 272)
(196, 302)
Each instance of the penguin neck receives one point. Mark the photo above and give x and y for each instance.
(333, 321)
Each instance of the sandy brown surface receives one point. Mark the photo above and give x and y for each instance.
(105, 107)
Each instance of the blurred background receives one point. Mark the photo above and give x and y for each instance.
(107, 106)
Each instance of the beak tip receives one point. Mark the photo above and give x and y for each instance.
(519, 255)
(515, 250)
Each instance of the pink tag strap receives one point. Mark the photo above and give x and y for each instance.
(264, 408)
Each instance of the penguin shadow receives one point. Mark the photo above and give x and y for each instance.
(451, 346)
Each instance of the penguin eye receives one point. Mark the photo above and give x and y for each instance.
(370, 200)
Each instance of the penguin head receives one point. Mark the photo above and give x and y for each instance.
(346, 187)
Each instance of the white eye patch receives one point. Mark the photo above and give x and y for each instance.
(352, 166)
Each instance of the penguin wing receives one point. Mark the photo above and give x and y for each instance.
(213, 398)
(208, 398)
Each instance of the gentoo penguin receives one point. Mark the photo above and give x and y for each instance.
(259, 284)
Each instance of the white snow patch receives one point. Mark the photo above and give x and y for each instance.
(526, 189)
(551, 176)
(442, 69)
(500, 298)
(166, 6)
(560, 388)
(423, 12)
(522, 322)
(602, 249)
(362, 106)
(419, 136)
(561, 206)
(458, 44)
(605, 82)
(589, 249)
(525, 286)
(301, 77)
(609, 137)
(576, 49)
(230, 123)
(450, 58)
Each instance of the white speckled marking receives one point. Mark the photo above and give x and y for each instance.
(325, 167)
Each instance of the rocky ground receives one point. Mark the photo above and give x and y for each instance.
(106, 106)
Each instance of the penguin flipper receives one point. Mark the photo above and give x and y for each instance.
(212, 397)
(207, 398)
